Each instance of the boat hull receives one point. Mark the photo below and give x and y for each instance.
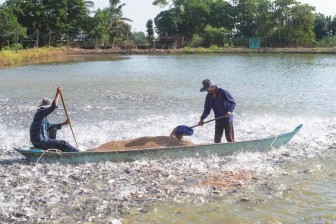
(261, 145)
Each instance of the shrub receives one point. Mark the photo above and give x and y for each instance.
(16, 46)
(215, 36)
(327, 42)
(214, 48)
(202, 50)
(241, 42)
(197, 41)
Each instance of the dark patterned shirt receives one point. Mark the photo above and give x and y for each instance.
(40, 125)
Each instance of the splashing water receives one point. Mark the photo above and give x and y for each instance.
(119, 100)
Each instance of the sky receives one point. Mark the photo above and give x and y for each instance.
(140, 11)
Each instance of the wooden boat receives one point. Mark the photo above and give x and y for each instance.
(260, 145)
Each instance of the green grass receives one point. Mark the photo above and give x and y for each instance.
(327, 42)
(9, 58)
(201, 50)
(12, 57)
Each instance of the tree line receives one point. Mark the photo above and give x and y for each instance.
(279, 23)
(276, 22)
(63, 21)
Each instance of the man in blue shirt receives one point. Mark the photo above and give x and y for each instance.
(43, 133)
(223, 104)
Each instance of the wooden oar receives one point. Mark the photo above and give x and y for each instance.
(66, 113)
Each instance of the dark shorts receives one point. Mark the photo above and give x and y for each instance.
(229, 133)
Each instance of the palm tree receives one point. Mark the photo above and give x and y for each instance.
(117, 21)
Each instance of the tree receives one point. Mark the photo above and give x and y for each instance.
(246, 18)
(222, 15)
(161, 3)
(76, 18)
(301, 25)
(150, 31)
(281, 15)
(167, 23)
(195, 14)
(30, 13)
(117, 21)
(322, 26)
(139, 38)
(10, 29)
(215, 36)
(188, 17)
(332, 27)
(100, 29)
(264, 23)
(64, 18)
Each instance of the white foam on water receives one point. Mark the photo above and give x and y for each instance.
(60, 193)
(316, 134)
(143, 180)
(12, 138)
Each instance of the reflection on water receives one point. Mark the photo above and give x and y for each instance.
(68, 59)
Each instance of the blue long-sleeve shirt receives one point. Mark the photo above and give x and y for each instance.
(40, 125)
(221, 104)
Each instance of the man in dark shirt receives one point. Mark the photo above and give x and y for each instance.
(43, 133)
(223, 104)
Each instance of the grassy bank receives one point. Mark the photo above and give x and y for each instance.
(201, 50)
(320, 50)
(8, 58)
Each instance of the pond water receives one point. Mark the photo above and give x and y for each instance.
(117, 98)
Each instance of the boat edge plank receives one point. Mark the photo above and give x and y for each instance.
(222, 149)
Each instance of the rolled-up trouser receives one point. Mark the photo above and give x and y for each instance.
(229, 133)
(52, 143)
(62, 145)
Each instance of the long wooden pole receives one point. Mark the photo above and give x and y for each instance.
(209, 121)
(66, 113)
